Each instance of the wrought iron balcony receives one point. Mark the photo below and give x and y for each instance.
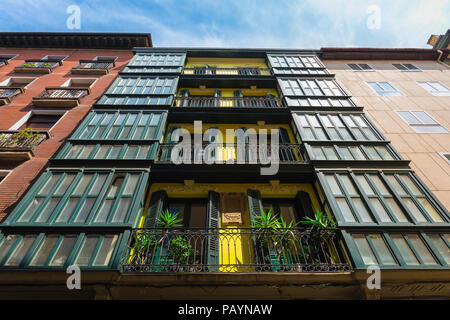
(37, 66)
(243, 102)
(229, 153)
(205, 71)
(60, 96)
(8, 93)
(92, 67)
(18, 145)
(234, 250)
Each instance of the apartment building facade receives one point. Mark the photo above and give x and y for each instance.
(48, 83)
(163, 190)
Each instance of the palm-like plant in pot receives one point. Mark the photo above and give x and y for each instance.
(321, 230)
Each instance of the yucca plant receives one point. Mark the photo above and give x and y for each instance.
(321, 221)
(265, 220)
(169, 220)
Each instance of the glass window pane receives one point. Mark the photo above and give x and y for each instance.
(405, 250)
(423, 117)
(101, 152)
(364, 184)
(85, 209)
(333, 184)
(421, 249)
(382, 250)
(48, 209)
(414, 210)
(395, 184)
(345, 210)
(121, 210)
(103, 213)
(143, 151)
(7, 244)
(115, 187)
(410, 184)
(361, 210)
(396, 210)
(364, 249)
(20, 251)
(83, 183)
(98, 184)
(86, 152)
(430, 209)
(49, 184)
(442, 247)
(131, 184)
(105, 252)
(65, 184)
(68, 210)
(348, 184)
(86, 252)
(29, 212)
(379, 210)
(44, 251)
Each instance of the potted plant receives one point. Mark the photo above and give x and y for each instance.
(321, 230)
(182, 253)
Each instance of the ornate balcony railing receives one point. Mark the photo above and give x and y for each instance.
(37, 66)
(229, 153)
(228, 71)
(234, 250)
(244, 102)
(23, 140)
(8, 93)
(92, 67)
(60, 96)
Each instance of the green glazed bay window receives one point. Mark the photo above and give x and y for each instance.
(107, 151)
(53, 250)
(296, 64)
(121, 125)
(335, 127)
(406, 249)
(319, 102)
(310, 87)
(156, 62)
(140, 91)
(89, 197)
(343, 152)
(387, 198)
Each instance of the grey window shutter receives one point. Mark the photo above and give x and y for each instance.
(184, 101)
(238, 101)
(254, 203)
(304, 205)
(217, 95)
(157, 202)
(212, 220)
(261, 251)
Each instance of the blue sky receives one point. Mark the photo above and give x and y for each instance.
(244, 23)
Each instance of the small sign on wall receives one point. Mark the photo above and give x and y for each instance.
(232, 207)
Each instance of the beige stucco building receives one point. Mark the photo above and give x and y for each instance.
(422, 136)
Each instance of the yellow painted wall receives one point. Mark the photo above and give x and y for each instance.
(227, 92)
(235, 252)
(226, 62)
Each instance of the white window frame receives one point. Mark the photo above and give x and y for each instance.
(388, 95)
(407, 69)
(443, 155)
(14, 55)
(361, 69)
(413, 126)
(7, 81)
(435, 93)
(4, 174)
(25, 118)
(55, 55)
(70, 82)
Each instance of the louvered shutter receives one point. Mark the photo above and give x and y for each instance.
(157, 202)
(212, 220)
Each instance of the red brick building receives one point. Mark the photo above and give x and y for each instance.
(48, 82)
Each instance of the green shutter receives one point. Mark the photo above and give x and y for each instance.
(212, 220)
(156, 206)
(304, 205)
(254, 204)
